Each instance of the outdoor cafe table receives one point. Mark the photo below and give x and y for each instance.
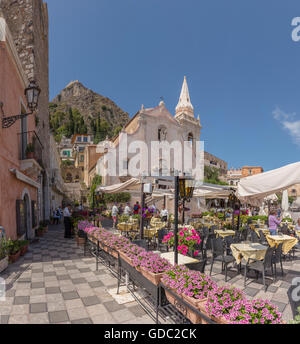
(288, 242)
(182, 260)
(223, 233)
(247, 251)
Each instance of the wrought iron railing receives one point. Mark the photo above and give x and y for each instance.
(30, 146)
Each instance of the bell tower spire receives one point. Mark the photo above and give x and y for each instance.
(184, 105)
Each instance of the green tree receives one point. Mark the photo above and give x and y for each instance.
(97, 180)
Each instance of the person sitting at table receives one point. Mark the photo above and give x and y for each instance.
(273, 222)
(164, 214)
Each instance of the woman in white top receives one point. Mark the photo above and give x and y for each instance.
(114, 214)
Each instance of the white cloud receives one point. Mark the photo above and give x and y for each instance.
(288, 123)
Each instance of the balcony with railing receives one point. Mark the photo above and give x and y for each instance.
(30, 151)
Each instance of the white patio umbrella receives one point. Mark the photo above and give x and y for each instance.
(285, 204)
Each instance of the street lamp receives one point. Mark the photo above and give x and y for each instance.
(186, 188)
(32, 93)
(186, 191)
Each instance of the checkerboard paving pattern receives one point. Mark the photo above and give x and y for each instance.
(55, 284)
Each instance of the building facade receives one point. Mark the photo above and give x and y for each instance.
(147, 126)
(28, 23)
(235, 175)
(20, 175)
(57, 191)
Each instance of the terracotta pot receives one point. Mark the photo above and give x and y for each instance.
(30, 155)
(153, 278)
(3, 264)
(80, 241)
(46, 229)
(40, 232)
(23, 250)
(14, 257)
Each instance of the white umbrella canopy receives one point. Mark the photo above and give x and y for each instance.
(254, 189)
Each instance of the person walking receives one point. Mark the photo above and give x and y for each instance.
(127, 210)
(273, 222)
(136, 208)
(114, 214)
(67, 221)
(56, 216)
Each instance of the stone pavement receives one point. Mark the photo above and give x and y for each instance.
(55, 284)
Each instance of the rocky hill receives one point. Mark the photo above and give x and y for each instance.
(89, 108)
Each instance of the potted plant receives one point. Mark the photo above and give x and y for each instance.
(23, 247)
(187, 239)
(13, 250)
(44, 225)
(30, 151)
(3, 254)
(40, 231)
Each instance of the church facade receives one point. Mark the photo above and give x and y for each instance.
(148, 126)
(152, 126)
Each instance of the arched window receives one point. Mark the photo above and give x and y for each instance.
(162, 133)
(190, 137)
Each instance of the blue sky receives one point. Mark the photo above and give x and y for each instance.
(242, 66)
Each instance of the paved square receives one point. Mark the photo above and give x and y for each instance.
(55, 284)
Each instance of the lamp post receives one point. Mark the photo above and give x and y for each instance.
(184, 189)
(32, 93)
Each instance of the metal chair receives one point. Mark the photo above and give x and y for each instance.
(160, 235)
(254, 237)
(218, 255)
(207, 243)
(295, 303)
(244, 234)
(261, 266)
(205, 231)
(141, 243)
(277, 258)
(200, 247)
(228, 241)
(262, 238)
(198, 266)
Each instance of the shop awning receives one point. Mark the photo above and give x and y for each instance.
(254, 189)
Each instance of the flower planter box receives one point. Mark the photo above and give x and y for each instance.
(3, 264)
(153, 278)
(23, 250)
(80, 241)
(14, 257)
(185, 310)
(125, 258)
(197, 303)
